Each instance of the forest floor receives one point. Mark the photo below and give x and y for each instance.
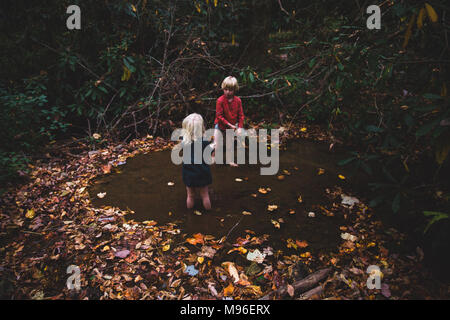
(49, 223)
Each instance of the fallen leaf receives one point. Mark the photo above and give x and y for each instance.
(228, 291)
(301, 244)
(275, 223)
(290, 290)
(231, 270)
(30, 214)
(101, 195)
(256, 256)
(321, 171)
(122, 254)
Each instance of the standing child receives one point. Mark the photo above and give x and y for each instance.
(229, 113)
(196, 176)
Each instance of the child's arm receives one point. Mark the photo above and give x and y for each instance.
(219, 114)
(240, 115)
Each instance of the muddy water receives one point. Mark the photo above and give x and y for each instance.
(142, 186)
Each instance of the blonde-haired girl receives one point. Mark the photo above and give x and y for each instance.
(196, 174)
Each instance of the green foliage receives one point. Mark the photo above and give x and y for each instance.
(436, 216)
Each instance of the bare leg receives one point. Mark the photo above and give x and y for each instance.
(190, 197)
(231, 163)
(205, 197)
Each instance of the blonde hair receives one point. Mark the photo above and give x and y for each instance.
(230, 83)
(193, 128)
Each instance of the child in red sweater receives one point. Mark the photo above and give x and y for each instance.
(229, 113)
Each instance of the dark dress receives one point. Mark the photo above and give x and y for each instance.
(196, 175)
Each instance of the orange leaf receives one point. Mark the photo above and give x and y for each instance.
(228, 291)
(301, 244)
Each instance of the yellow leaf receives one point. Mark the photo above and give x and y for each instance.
(303, 129)
(275, 223)
(431, 13)
(233, 40)
(215, 3)
(200, 260)
(409, 31)
(341, 177)
(166, 247)
(198, 7)
(134, 8)
(126, 74)
(30, 214)
(321, 171)
(420, 18)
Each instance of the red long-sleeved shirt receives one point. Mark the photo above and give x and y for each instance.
(229, 112)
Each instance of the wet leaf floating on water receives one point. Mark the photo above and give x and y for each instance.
(340, 176)
(301, 244)
(291, 211)
(264, 190)
(281, 177)
(238, 180)
(246, 213)
(311, 214)
(101, 195)
(197, 212)
(321, 171)
(170, 184)
(272, 207)
(275, 223)
(286, 172)
(299, 199)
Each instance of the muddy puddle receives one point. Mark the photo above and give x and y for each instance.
(142, 186)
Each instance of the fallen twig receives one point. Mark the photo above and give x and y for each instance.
(300, 285)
